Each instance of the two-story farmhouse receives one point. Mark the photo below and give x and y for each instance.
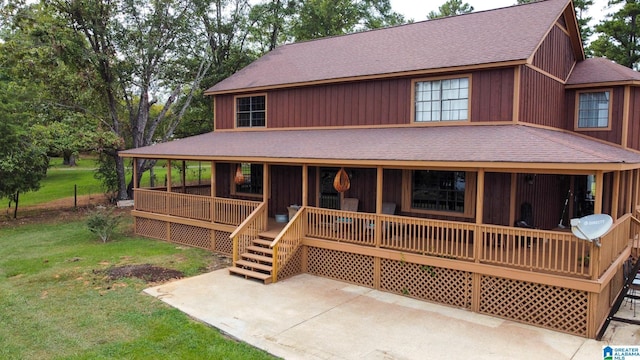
(462, 147)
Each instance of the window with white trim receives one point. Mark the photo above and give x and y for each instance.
(442, 100)
(593, 109)
(251, 111)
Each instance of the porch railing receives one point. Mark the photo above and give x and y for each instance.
(225, 211)
(530, 249)
(288, 241)
(254, 224)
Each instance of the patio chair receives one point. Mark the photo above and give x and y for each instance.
(348, 204)
(525, 221)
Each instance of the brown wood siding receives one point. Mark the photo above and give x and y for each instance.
(607, 193)
(381, 102)
(492, 95)
(546, 196)
(634, 121)
(224, 112)
(392, 187)
(562, 21)
(286, 188)
(542, 99)
(555, 54)
(313, 186)
(617, 106)
(497, 193)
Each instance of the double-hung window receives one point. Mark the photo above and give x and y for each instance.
(251, 111)
(593, 109)
(442, 100)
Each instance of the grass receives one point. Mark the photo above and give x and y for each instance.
(57, 302)
(60, 182)
(61, 179)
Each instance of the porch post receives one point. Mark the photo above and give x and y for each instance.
(135, 173)
(213, 191)
(512, 199)
(615, 200)
(266, 191)
(477, 242)
(378, 224)
(305, 185)
(168, 175)
(597, 206)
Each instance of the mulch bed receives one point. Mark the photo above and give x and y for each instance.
(146, 272)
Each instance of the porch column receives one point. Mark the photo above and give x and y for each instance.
(135, 173)
(266, 190)
(305, 185)
(615, 197)
(477, 242)
(378, 223)
(213, 190)
(597, 206)
(629, 196)
(512, 199)
(168, 175)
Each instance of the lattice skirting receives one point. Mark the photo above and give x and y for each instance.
(293, 266)
(191, 236)
(547, 306)
(441, 285)
(223, 244)
(151, 228)
(348, 267)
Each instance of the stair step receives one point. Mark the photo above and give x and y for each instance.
(254, 265)
(256, 257)
(266, 278)
(262, 242)
(260, 250)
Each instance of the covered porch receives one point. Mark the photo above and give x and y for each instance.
(465, 252)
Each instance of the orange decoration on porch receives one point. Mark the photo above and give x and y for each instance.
(239, 178)
(341, 183)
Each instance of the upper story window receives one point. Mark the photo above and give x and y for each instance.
(251, 111)
(593, 109)
(442, 100)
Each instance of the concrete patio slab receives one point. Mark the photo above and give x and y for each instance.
(309, 317)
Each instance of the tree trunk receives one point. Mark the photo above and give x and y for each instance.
(122, 181)
(69, 159)
(15, 210)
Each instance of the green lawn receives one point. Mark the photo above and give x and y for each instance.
(56, 301)
(62, 179)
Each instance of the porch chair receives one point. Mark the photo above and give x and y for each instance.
(525, 221)
(348, 204)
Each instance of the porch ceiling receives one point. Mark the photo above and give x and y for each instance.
(503, 146)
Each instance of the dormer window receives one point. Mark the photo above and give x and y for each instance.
(251, 111)
(593, 109)
(441, 100)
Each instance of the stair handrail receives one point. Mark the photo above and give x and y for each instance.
(292, 226)
(246, 226)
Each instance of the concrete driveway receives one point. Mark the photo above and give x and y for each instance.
(309, 317)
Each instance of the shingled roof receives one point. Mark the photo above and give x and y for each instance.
(494, 36)
(519, 144)
(600, 70)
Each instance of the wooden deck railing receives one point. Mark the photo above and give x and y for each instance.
(288, 241)
(225, 211)
(232, 211)
(557, 252)
(254, 224)
(532, 249)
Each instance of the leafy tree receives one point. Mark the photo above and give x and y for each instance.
(450, 8)
(142, 52)
(320, 18)
(618, 34)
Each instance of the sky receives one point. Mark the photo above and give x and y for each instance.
(418, 9)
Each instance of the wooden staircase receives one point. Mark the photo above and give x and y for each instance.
(257, 262)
